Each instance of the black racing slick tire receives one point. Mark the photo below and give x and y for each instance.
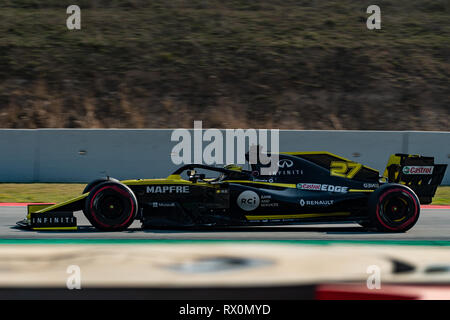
(393, 208)
(96, 182)
(111, 206)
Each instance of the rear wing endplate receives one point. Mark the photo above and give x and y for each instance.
(417, 172)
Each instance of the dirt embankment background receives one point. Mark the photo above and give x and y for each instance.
(261, 64)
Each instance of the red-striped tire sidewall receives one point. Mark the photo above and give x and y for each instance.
(408, 223)
(122, 190)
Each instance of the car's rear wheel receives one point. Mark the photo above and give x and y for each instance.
(111, 206)
(394, 208)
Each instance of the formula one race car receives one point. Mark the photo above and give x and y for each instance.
(305, 187)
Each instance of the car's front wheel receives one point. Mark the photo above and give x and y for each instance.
(394, 208)
(96, 182)
(111, 206)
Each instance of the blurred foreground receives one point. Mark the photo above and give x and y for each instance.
(223, 271)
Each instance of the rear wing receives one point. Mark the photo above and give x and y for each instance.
(417, 172)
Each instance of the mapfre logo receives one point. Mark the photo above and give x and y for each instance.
(418, 170)
(285, 163)
(248, 200)
(167, 189)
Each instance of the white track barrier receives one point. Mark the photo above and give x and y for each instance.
(81, 155)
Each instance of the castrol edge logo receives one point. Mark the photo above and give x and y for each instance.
(417, 170)
(321, 187)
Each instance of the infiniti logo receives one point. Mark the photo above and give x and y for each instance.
(285, 163)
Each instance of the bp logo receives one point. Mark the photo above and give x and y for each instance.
(248, 200)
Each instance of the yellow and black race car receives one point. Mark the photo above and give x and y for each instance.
(306, 187)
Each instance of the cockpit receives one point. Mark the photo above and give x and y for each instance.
(228, 172)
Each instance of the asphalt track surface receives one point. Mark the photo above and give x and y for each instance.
(433, 225)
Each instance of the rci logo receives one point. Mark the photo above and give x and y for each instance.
(248, 200)
(285, 163)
